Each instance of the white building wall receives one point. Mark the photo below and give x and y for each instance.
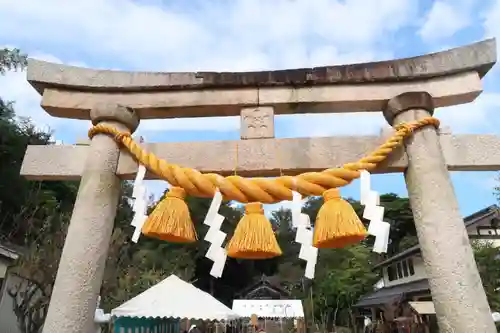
(419, 272)
(8, 319)
(486, 234)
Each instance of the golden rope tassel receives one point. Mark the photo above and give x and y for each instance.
(170, 220)
(254, 236)
(337, 224)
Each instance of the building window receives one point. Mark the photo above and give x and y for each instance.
(486, 231)
(411, 269)
(400, 270)
(405, 268)
(391, 273)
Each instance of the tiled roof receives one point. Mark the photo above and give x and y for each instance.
(392, 294)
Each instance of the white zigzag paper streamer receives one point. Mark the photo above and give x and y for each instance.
(375, 214)
(215, 236)
(140, 207)
(304, 236)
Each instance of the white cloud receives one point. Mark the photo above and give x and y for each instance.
(15, 87)
(233, 35)
(239, 34)
(228, 35)
(476, 117)
(445, 18)
(491, 18)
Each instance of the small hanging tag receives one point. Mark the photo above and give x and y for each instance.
(305, 220)
(303, 236)
(373, 213)
(138, 222)
(219, 263)
(140, 205)
(308, 253)
(215, 226)
(141, 173)
(140, 190)
(375, 227)
(212, 252)
(296, 208)
(382, 238)
(310, 270)
(139, 177)
(214, 207)
(136, 235)
(372, 199)
(365, 186)
(217, 238)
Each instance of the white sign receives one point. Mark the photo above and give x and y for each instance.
(280, 308)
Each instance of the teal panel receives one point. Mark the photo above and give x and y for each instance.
(146, 325)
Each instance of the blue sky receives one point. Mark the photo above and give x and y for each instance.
(240, 35)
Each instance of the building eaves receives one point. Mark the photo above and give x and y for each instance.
(477, 217)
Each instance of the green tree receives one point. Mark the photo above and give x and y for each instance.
(34, 217)
(488, 263)
(29, 210)
(289, 268)
(342, 277)
(12, 59)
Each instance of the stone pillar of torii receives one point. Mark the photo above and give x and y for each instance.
(404, 90)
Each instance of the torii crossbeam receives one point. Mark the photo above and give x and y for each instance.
(404, 90)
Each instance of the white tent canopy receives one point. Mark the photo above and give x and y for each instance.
(175, 298)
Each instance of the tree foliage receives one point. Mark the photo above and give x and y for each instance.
(12, 59)
(487, 257)
(344, 275)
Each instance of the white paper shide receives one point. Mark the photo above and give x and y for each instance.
(215, 236)
(140, 207)
(375, 214)
(304, 235)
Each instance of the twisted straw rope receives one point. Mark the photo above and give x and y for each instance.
(263, 190)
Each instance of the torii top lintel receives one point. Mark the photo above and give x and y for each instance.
(451, 77)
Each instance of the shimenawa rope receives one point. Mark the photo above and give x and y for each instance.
(262, 190)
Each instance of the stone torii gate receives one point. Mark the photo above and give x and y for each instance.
(404, 90)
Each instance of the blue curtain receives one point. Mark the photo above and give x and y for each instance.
(145, 325)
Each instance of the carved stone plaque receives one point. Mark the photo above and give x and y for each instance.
(257, 122)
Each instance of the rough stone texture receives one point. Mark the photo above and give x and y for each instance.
(446, 91)
(81, 268)
(118, 113)
(258, 158)
(257, 123)
(478, 57)
(407, 101)
(458, 295)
